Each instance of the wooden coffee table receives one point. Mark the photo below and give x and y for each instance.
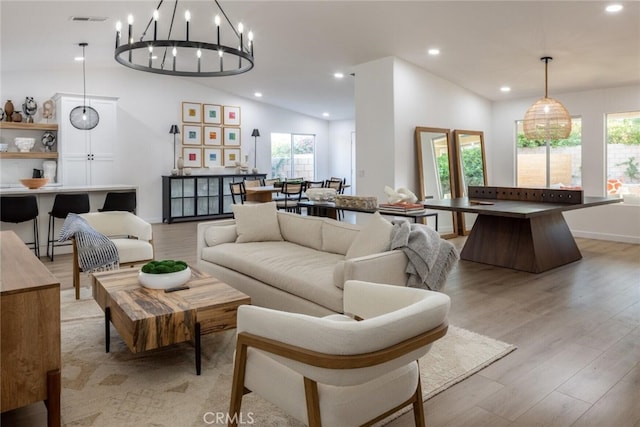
(152, 318)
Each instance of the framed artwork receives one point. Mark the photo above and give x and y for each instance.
(231, 116)
(191, 112)
(231, 156)
(232, 136)
(212, 114)
(212, 157)
(191, 135)
(212, 135)
(192, 157)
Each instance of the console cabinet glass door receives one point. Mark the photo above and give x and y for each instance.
(208, 196)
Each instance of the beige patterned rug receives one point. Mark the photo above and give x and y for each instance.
(160, 387)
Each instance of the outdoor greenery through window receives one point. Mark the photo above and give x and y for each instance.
(564, 158)
(293, 156)
(623, 154)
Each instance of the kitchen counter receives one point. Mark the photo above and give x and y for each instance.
(45, 197)
(13, 190)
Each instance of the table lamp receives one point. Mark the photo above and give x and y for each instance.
(174, 131)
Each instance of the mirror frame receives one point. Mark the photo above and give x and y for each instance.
(421, 175)
(457, 135)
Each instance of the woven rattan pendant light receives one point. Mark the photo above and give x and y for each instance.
(547, 118)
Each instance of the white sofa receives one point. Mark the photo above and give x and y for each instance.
(297, 263)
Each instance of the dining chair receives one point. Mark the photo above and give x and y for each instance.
(252, 183)
(292, 193)
(238, 190)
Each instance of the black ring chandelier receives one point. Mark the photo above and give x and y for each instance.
(185, 58)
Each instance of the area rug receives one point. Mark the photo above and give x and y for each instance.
(160, 387)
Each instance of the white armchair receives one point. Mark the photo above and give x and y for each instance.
(131, 235)
(336, 371)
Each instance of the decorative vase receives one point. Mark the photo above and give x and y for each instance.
(180, 164)
(16, 117)
(49, 168)
(8, 110)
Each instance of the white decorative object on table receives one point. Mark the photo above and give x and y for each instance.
(24, 144)
(401, 195)
(49, 167)
(321, 194)
(166, 280)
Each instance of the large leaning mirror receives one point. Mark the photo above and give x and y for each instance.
(471, 168)
(435, 172)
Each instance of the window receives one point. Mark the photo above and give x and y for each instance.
(623, 154)
(563, 157)
(293, 156)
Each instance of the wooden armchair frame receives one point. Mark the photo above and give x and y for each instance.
(329, 361)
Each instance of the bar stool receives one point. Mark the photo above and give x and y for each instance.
(17, 209)
(120, 201)
(63, 205)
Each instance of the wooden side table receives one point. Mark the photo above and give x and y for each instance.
(30, 357)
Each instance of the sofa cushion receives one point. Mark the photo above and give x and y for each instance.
(256, 223)
(373, 238)
(338, 236)
(292, 268)
(220, 234)
(303, 230)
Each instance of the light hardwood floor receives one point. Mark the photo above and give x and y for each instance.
(577, 329)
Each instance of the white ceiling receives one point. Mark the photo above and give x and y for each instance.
(300, 44)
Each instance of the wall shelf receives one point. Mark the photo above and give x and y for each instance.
(29, 126)
(30, 155)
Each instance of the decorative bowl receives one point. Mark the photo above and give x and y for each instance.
(166, 280)
(34, 183)
(24, 144)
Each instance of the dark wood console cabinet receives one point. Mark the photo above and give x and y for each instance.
(199, 197)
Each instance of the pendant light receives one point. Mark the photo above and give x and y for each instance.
(83, 116)
(547, 119)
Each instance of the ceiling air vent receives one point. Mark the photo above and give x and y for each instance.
(88, 18)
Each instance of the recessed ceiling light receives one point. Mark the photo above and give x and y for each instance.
(257, 94)
(79, 58)
(325, 114)
(613, 8)
(505, 89)
(434, 51)
(338, 75)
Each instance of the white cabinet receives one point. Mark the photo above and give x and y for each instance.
(87, 156)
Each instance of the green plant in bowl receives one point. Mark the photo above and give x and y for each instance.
(164, 266)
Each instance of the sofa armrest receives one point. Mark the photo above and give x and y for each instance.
(202, 232)
(384, 267)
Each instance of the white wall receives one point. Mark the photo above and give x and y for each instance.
(339, 158)
(148, 105)
(614, 222)
(393, 97)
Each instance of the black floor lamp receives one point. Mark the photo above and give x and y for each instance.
(174, 131)
(255, 134)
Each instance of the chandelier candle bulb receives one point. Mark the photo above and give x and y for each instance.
(118, 29)
(216, 20)
(130, 22)
(187, 17)
(156, 15)
(150, 54)
(199, 54)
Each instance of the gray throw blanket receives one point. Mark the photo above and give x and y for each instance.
(431, 258)
(96, 252)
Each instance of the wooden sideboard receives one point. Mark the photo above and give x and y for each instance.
(30, 356)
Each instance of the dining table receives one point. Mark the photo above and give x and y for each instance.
(262, 193)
